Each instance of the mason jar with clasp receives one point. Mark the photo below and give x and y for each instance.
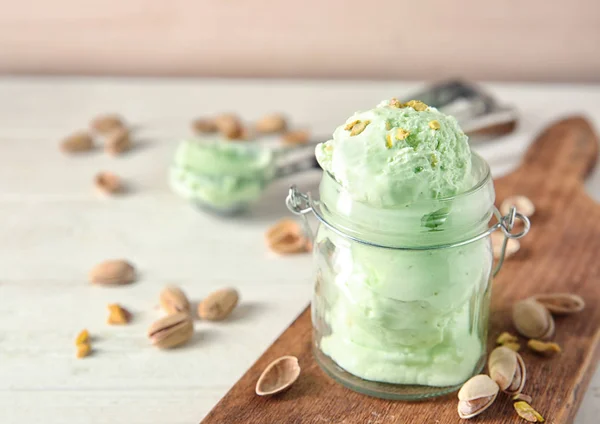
(401, 301)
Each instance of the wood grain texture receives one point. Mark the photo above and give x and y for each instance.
(508, 40)
(559, 254)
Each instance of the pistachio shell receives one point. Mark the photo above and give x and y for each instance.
(522, 203)
(476, 395)
(507, 369)
(561, 303)
(532, 319)
(278, 376)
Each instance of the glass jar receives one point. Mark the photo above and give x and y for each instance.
(401, 302)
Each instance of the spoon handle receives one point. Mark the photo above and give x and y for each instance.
(300, 164)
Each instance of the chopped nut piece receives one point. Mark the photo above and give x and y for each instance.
(506, 337)
(108, 183)
(204, 125)
(82, 338)
(401, 134)
(417, 105)
(359, 127)
(296, 137)
(522, 396)
(434, 125)
(388, 141)
(544, 348)
(351, 125)
(526, 412)
(394, 102)
(118, 315)
(512, 346)
(83, 350)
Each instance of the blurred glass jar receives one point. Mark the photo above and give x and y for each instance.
(401, 302)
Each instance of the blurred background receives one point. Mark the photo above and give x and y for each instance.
(509, 40)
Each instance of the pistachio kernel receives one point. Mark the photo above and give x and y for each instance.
(359, 127)
(388, 141)
(394, 102)
(434, 125)
(512, 346)
(351, 125)
(388, 125)
(506, 337)
(527, 412)
(544, 348)
(83, 350)
(401, 134)
(117, 315)
(417, 105)
(82, 338)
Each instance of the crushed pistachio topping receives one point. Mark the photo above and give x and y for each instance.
(388, 141)
(527, 412)
(388, 125)
(356, 127)
(401, 134)
(544, 348)
(417, 105)
(506, 337)
(434, 125)
(512, 346)
(394, 102)
(351, 125)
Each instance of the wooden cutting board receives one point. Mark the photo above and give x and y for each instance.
(560, 254)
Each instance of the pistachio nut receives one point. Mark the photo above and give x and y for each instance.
(523, 205)
(112, 272)
(507, 369)
(532, 319)
(173, 300)
(527, 412)
(543, 348)
(506, 337)
(561, 303)
(219, 304)
(171, 331)
(476, 395)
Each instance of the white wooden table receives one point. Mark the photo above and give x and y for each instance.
(53, 228)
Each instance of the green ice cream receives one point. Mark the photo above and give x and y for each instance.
(221, 174)
(402, 155)
(398, 316)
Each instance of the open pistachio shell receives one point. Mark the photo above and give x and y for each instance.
(476, 395)
(278, 376)
(507, 369)
(561, 303)
(532, 319)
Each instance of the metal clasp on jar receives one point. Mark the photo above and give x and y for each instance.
(302, 203)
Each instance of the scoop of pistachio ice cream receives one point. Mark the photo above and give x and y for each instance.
(398, 153)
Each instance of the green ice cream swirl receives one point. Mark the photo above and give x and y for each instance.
(401, 155)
